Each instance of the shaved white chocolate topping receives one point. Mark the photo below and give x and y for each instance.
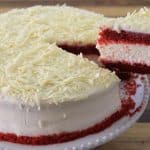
(34, 70)
(60, 24)
(46, 73)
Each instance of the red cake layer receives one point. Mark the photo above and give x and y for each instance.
(127, 105)
(110, 36)
(77, 49)
(124, 66)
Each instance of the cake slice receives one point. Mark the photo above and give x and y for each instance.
(124, 43)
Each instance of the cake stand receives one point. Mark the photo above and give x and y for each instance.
(140, 98)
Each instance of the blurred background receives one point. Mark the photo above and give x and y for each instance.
(108, 7)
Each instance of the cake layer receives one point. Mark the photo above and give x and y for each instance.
(126, 52)
(124, 69)
(49, 119)
(108, 36)
(126, 57)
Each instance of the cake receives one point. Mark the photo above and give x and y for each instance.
(124, 43)
(73, 29)
(48, 95)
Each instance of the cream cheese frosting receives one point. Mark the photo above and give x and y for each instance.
(60, 24)
(137, 21)
(46, 73)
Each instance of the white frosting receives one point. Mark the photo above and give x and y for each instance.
(138, 21)
(136, 53)
(60, 24)
(65, 117)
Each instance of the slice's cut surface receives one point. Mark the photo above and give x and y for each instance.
(125, 43)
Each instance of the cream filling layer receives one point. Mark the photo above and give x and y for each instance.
(65, 117)
(132, 53)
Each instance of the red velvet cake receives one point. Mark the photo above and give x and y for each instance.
(124, 43)
(48, 95)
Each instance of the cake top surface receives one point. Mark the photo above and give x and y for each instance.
(138, 21)
(43, 73)
(60, 24)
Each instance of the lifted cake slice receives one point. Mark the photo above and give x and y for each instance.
(124, 43)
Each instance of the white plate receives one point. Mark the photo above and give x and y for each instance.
(91, 141)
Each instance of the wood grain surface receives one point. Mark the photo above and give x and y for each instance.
(137, 137)
(85, 2)
(112, 11)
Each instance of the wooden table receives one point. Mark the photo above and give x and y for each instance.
(137, 137)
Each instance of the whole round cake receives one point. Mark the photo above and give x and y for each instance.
(48, 95)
